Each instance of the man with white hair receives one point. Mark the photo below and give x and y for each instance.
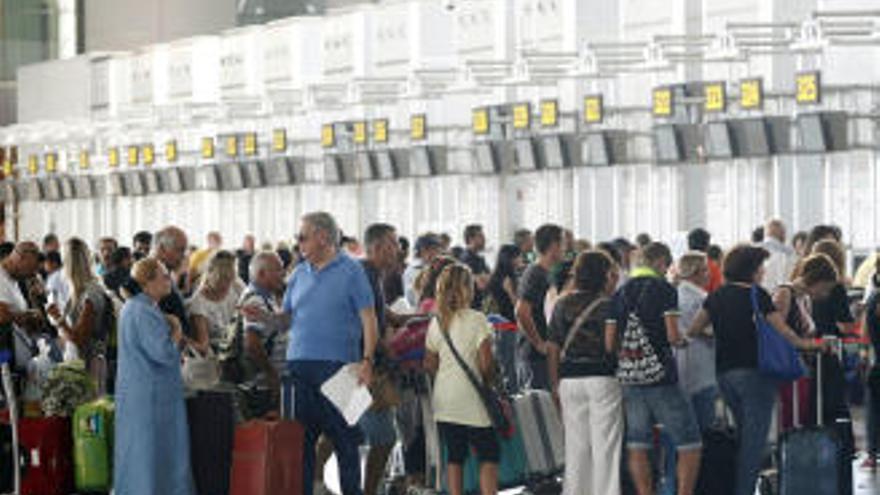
(266, 342)
(781, 263)
(329, 302)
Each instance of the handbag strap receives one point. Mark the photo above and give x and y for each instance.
(472, 377)
(579, 322)
(755, 309)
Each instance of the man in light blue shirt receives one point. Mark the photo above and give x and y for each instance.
(332, 323)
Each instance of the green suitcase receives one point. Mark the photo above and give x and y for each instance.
(93, 446)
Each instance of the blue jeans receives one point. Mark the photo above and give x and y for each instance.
(750, 396)
(703, 403)
(318, 415)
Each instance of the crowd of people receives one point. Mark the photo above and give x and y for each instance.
(307, 309)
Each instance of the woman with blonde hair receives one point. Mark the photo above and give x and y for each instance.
(462, 419)
(151, 448)
(84, 321)
(696, 362)
(212, 306)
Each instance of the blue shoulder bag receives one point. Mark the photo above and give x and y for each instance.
(777, 358)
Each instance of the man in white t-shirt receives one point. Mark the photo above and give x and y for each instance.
(57, 288)
(22, 263)
(782, 259)
(427, 248)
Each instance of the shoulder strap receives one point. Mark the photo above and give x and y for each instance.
(638, 302)
(472, 377)
(579, 322)
(755, 309)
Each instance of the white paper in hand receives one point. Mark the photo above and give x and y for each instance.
(343, 390)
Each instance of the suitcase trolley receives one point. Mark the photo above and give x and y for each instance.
(543, 438)
(93, 427)
(813, 460)
(267, 458)
(717, 474)
(211, 418)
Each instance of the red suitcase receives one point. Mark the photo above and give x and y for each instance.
(46, 446)
(267, 459)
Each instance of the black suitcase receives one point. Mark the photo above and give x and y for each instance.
(211, 418)
(718, 464)
(814, 460)
(6, 467)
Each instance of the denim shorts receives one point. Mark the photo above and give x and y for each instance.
(378, 427)
(664, 405)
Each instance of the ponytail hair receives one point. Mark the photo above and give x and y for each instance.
(455, 292)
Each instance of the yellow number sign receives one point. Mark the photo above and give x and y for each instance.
(250, 144)
(360, 132)
(751, 94)
(8, 170)
(279, 140)
(418, 127)
(113, 157)
(662, 102)
(133, 155)
(549, 113)
(594, 109)
(715, 95)
(51, 163)
(232, 146)
(33, 164)
(149, 154)
(522, 116)
(208, 148)
(480, 121)
(328, 136)
(171, 151)
(380, 131)
(808, 89)
(84, 160)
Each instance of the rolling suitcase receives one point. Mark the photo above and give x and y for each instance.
(93, 446)
(211, 418)
(46, 447)
(267, 459)
(539, 423)
(717, 474)
(813, 460)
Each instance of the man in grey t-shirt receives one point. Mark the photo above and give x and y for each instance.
(530, 317)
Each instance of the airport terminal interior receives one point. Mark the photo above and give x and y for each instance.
(688, 151)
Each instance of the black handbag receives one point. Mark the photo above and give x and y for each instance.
(497, 405)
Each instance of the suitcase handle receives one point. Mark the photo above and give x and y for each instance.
(837, 345)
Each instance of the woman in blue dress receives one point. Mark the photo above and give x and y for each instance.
(152, 452)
